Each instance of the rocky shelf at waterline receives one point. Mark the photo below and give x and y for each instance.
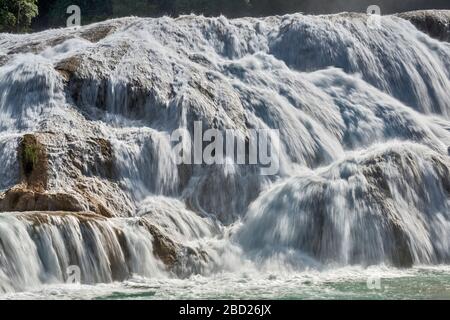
(89, 177)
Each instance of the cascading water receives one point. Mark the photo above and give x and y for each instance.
(363, 114)
(40, 248)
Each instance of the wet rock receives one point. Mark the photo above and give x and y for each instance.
(98, 32)
(87, 163)
(3, 59)
(163, 247)
(67, 67)
(92, 157)
(402, 257)
(87, 167)
(39, 218)
(179, 258)
(104, 198)
(92, 33)
(435, 23)
(36, 47)
(22, 199)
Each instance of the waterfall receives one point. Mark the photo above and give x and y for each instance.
(39, 248)
(386, 204)
(362, 111)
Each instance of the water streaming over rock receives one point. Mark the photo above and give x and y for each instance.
(363, 114)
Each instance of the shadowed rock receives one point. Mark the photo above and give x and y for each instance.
(435, 23)
(33, 163)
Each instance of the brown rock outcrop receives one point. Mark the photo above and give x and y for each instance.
(88, 170)
(22, 199)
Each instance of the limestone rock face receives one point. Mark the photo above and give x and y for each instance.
(18, 199)
(435, 23)
(88, 173)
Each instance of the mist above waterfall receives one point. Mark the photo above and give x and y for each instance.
(362, 111)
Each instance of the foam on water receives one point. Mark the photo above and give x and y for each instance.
(345, 283)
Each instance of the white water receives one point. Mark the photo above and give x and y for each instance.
(34, 253)
(346, 283)
(363, 115)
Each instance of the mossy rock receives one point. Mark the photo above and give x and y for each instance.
(33, 162)
(30, 156)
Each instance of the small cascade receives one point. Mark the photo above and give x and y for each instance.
(387, 205)
(38, 248)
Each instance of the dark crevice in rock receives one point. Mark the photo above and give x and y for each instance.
(33, 163)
